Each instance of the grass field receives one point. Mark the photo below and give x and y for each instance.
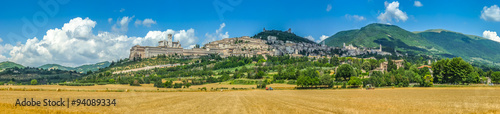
(399, 100)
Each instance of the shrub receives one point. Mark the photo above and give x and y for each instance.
(111, 81)
(187, 85)
(354, 81)
(135, 83)
(34, 82)
(279, 81)
(177, 85)
(261, 85)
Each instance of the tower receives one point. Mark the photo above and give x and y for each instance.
(169, 40)
(380, 49)
(264, 29)
(289, 30)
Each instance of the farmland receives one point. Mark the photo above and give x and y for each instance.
(386, 100)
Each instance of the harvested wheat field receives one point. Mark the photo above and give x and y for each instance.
(143, 87)
(402, 100)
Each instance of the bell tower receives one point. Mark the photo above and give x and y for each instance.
(169, 40)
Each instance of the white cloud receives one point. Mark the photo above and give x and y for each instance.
(392, 11)
(328, 8)
(121, 25)
(75, 44)
(218, 35)
(354, 17)
(492, 35)
(145, 22)
(110, 20)
(418, 4)
(310, 37)
(148, 22)
(137, 22)
(4, 49)
(491, 13)
(122, 10)
(323, 37)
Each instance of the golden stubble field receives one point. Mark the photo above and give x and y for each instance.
(399, 100)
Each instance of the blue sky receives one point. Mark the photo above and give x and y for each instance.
(240, 18)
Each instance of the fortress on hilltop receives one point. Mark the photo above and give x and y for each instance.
(242, 46)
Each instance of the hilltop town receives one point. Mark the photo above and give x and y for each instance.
(247, 46)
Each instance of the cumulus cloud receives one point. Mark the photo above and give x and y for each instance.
(310, 37)
(323, 37)
(491, 13)
(122, 10)
(4, 49)
(110, 20)
(218, 35)
(328, 8)
(148, 22)
(354, 17)
(492, 35)
(145, 22)
(392, 11)
(418, 4)
(75, 44)
(121, 25)
(137, 22)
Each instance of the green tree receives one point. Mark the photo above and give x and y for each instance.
(354, 81)
(326, 80)
(459, 70)
(111, 81)
(187, 85)
(367, 66)
(495, 77)
(334, 61)
(391, 65)
(34, 82)
(473, 77)
(344, 71)
(309, 77)
(427, 81)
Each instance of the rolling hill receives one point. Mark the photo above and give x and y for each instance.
(473, 48)
(81, 69)
(438, 42)
(8, 64)
(282, 35)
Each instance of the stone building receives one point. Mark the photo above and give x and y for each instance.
(243, 46)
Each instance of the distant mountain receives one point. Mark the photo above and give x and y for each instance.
(473, 48)
(438, 42)
(55, 66)
(81, 69)
(282, 35)
(8, 64)
(390, 36)
(92, 67)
